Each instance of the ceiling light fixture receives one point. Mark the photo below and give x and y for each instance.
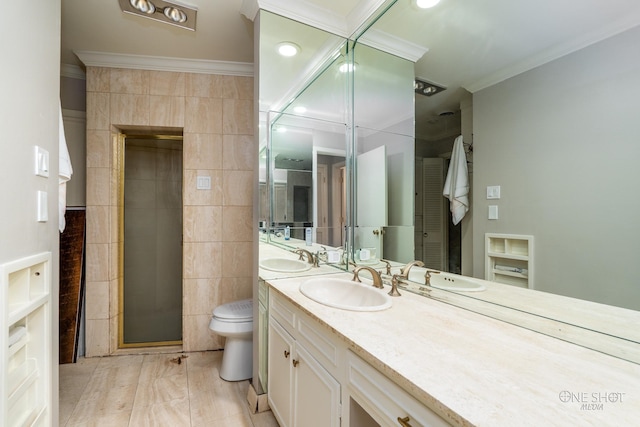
(426, 4)
(425, 88)
(163, 11)
(288, 49)
(347, 67)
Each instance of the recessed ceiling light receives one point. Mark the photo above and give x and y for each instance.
(426, 4)
(346, 67)
(288, 49)
(143, 6)
(300, 109)
(175, 14)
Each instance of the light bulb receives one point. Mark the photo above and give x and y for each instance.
(426, 4)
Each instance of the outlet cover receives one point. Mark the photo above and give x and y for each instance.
(203, 183)
(493, 212)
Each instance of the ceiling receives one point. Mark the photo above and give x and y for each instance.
(469, 44)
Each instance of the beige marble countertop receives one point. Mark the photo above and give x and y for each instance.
(477, 371)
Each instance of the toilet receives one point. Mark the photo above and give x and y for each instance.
(234, 321)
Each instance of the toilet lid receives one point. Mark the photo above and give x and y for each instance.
(237, 310)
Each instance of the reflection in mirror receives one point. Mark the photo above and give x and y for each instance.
(550, 123)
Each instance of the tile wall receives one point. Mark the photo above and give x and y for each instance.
(216, 115)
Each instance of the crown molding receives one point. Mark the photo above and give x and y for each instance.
(159, 63)
(249, 9)
(72, 72)
(393, 45)
(309, 14)
(552, 54)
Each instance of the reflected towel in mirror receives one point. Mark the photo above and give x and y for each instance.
(456, 186)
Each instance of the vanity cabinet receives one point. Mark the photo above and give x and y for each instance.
(317, 381)
(302, 392)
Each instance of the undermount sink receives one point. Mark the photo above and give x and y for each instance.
(284, 265)
(345, 294)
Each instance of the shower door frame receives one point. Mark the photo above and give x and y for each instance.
(120, 152)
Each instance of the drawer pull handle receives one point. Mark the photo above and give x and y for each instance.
(295, 362)
(404, 422)
(286, 354)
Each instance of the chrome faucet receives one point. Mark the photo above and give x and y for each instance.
(404, 271)
(377, 280)
(312, 260)
(427, 276)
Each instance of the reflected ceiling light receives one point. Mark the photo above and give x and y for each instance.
(288, 49)
(280, 129)
(426, 4)
(346, 67)
(163, 11)
(300, 109)
(425, 88)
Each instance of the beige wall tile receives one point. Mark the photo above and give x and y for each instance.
(97, 300)
(203, 115)
(98, 149)
(97, 226)
(202, 223)
(237, 116)
(114, 301)
(98, 109)
(237, 224)
(129, 110)
(192, 196)
(97, 79)
(166, 111)
(129, 81)
(203, 151)
(97, 337)
(97, 262)
(200, 296)
(197, 336)
(235, 288)
(237, 87)
(202, 260)
(238, 152)
(237, 188)
(204, 85)
(237, 259)
(167, 83)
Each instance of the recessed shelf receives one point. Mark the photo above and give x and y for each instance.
(509, 259)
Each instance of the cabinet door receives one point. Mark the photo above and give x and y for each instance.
(280, 373)
(316, 393)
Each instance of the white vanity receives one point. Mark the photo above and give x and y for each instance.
(427, 363)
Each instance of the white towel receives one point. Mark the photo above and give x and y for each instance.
(64, 174)
(456, 186)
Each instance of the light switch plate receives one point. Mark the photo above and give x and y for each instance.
(493, 212)
(42, 162)
(43, 207)
(203, 183)
(493, 192)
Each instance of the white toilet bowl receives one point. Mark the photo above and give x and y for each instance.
(235, 322)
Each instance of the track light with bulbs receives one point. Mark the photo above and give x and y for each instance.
(163, 11)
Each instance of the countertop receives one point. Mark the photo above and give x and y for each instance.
(474, 370)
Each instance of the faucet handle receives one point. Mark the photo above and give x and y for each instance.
(427, 276)
(388, 266)
(394, 285)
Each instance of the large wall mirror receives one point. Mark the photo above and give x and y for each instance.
(552, 124)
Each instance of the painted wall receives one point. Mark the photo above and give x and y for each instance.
(562, 142)
(29, 107)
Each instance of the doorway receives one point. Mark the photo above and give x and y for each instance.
(151, 285)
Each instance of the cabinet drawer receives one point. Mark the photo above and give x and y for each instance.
(283, 311)
(384, 400)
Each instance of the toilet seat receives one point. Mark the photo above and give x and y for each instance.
(235, 312)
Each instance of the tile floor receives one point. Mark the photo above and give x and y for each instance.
(153, 390)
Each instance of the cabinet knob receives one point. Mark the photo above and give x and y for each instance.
(404, 422)
(286, 354)
(295, 362)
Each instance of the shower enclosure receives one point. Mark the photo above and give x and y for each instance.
(151, 294)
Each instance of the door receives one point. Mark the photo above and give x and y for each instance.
(280, 371)
(315, 391)
(321, 222)
(433, 214)
(371, 199)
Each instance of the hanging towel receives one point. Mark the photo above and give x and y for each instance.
(64, 174)
(456, 186)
